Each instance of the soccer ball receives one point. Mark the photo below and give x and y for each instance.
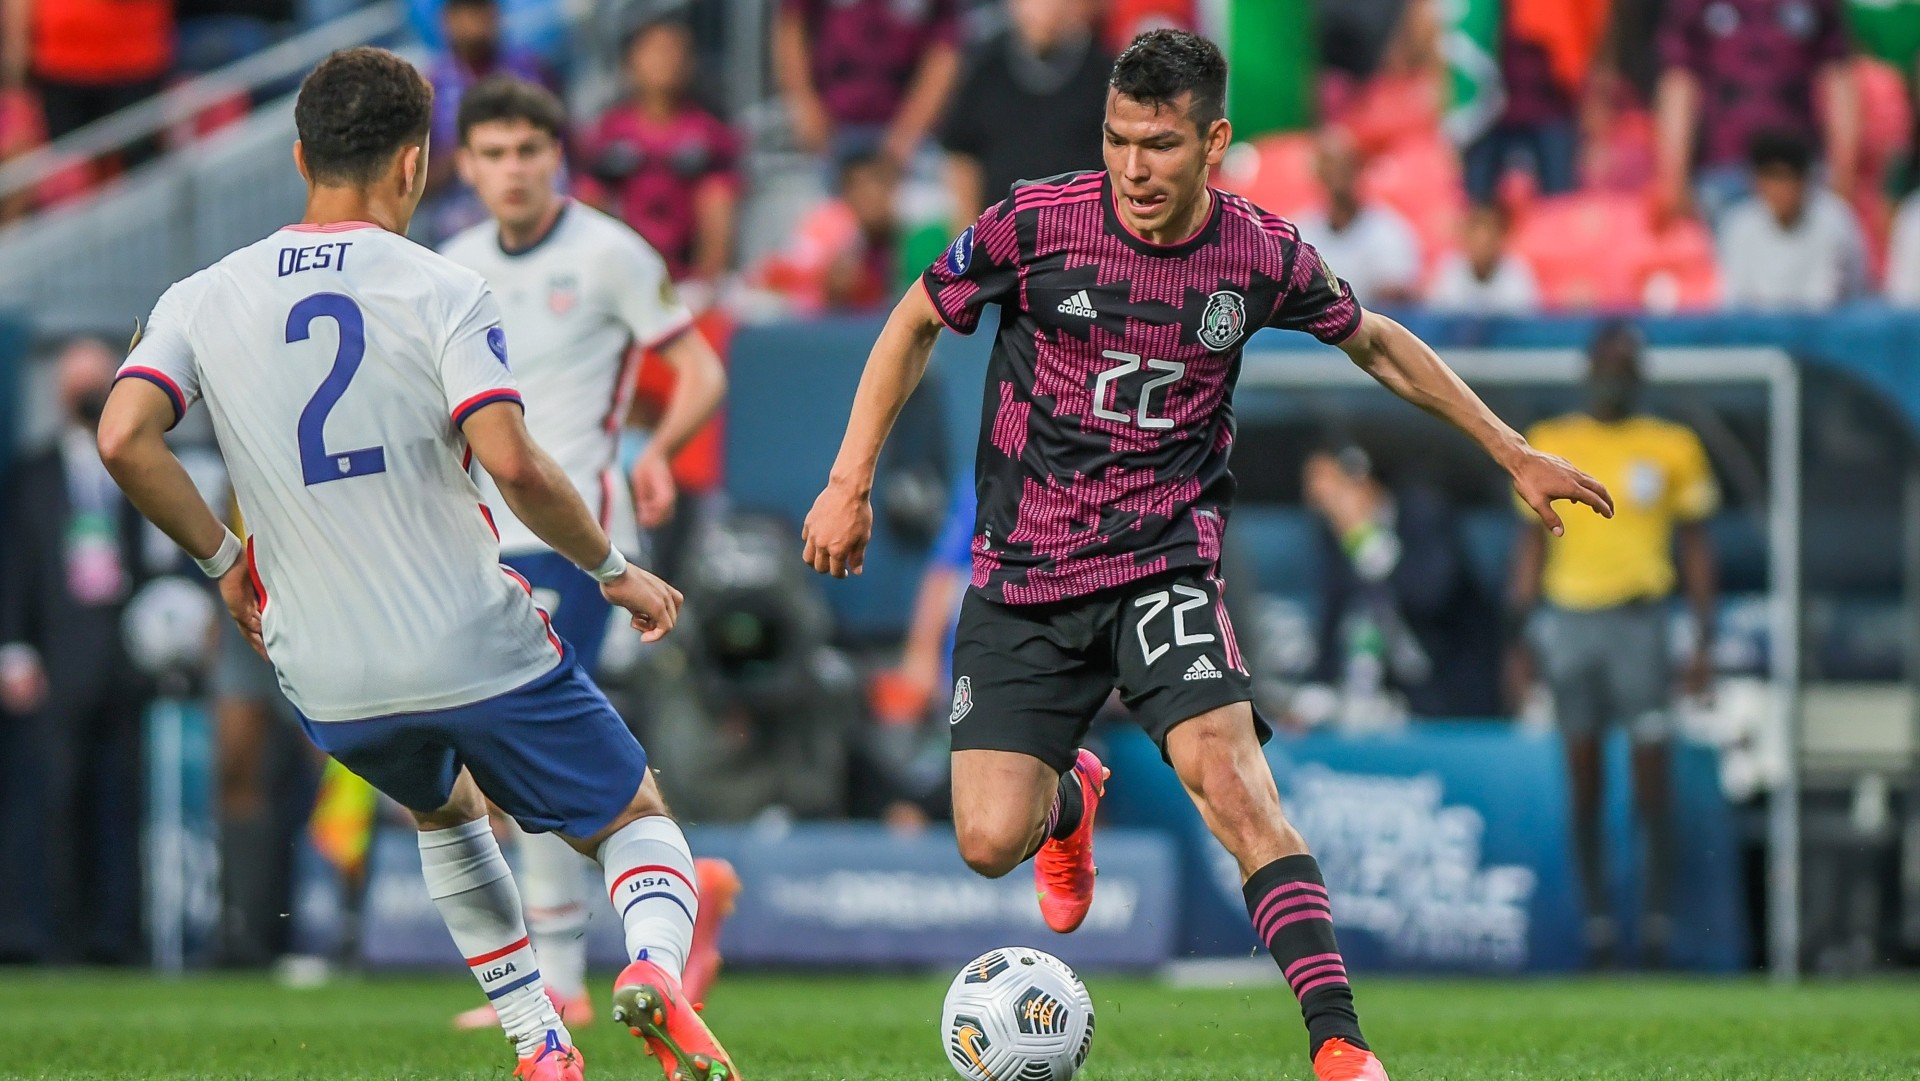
(1016, 1014)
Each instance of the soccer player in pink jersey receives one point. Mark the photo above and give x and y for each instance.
(1126, 298)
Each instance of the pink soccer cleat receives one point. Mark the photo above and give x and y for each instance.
(1339, 1060)
(650, 1002)
(555, 1062)
(719, 885)
(1063, 871)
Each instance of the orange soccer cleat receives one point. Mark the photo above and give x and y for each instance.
(555, 1062)
(1339, 1060)
(650, 1002)
(1063, 870)
(577, 1013)
(719, 886)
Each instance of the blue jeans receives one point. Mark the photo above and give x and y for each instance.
(1550, 150)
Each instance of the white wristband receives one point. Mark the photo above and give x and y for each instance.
(610, 568)
(223, 560)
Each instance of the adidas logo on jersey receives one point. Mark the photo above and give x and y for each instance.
(1079, 304)
(1202, 668)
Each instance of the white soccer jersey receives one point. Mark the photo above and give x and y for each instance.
(573, 303)
(338, 362)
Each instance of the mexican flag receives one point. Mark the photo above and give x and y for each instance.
(1470, 41)
(1272, 49)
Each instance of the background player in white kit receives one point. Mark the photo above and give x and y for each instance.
(577, 289)
(350, 375)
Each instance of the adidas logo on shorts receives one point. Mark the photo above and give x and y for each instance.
(1078, 304)
(1202, 668)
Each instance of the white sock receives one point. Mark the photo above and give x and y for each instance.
(473, 889)
(553, 878)
(649, 874)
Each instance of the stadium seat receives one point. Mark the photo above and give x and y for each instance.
(1587, 249)
(1679, 272)
(1276, 171)
(1388, 112)
(1420, 178)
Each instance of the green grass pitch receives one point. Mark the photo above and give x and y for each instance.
(67, 1025)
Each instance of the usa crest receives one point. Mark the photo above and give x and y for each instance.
(563, 291)
(962, 699)
(1224, 321)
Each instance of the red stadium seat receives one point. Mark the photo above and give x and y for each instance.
(1276, 171)
(1679, 272)
(1587, 249)
(1420, 178)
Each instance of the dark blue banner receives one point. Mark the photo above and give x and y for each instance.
(1446, 847)
(841, 895)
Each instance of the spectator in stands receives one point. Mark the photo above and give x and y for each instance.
(1545, 50)
(1484, 277)
(865, 75)
(75, 552)
(474, 50)
(1371, 246)
(1793, 245)
(1048, 69)
(1592, 607)
(87, 58)
(1400, 609)
(1734, 68)
(215, 33)
(662, 163)
(844, 256)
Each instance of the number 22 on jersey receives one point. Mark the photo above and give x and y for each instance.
(317, 464)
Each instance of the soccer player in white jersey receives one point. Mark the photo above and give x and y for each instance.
(577, 289)
(350, 374)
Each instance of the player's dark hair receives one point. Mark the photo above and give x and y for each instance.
(1161, 65)
(1776, 147)
(469, 4)
(507, 97)
(356, 111)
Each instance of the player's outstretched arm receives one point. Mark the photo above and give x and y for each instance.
(1410, 368)
(133, 446)
(841, 521)
(537, 491)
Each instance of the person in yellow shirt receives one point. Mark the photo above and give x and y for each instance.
(1590, 610)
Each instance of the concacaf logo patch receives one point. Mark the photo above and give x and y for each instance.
(960, 253)
(497, 341)
(1224, 321)
(962, 699)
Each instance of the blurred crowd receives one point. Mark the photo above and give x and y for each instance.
(1486, 158)
(1495, 157)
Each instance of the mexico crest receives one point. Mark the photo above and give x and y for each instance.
(1224, 321)
(962, 699)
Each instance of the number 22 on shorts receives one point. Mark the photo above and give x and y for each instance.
(1155, 603)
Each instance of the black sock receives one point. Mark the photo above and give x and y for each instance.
(1288, 903)
(1064, 816)
(1069, 806)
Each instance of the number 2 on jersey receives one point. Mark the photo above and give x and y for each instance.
(317, 464)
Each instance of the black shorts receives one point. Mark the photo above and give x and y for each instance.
(1029, 678)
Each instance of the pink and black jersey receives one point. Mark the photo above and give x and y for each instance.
(1108, 417)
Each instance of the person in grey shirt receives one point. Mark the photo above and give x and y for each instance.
(1793, 246)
